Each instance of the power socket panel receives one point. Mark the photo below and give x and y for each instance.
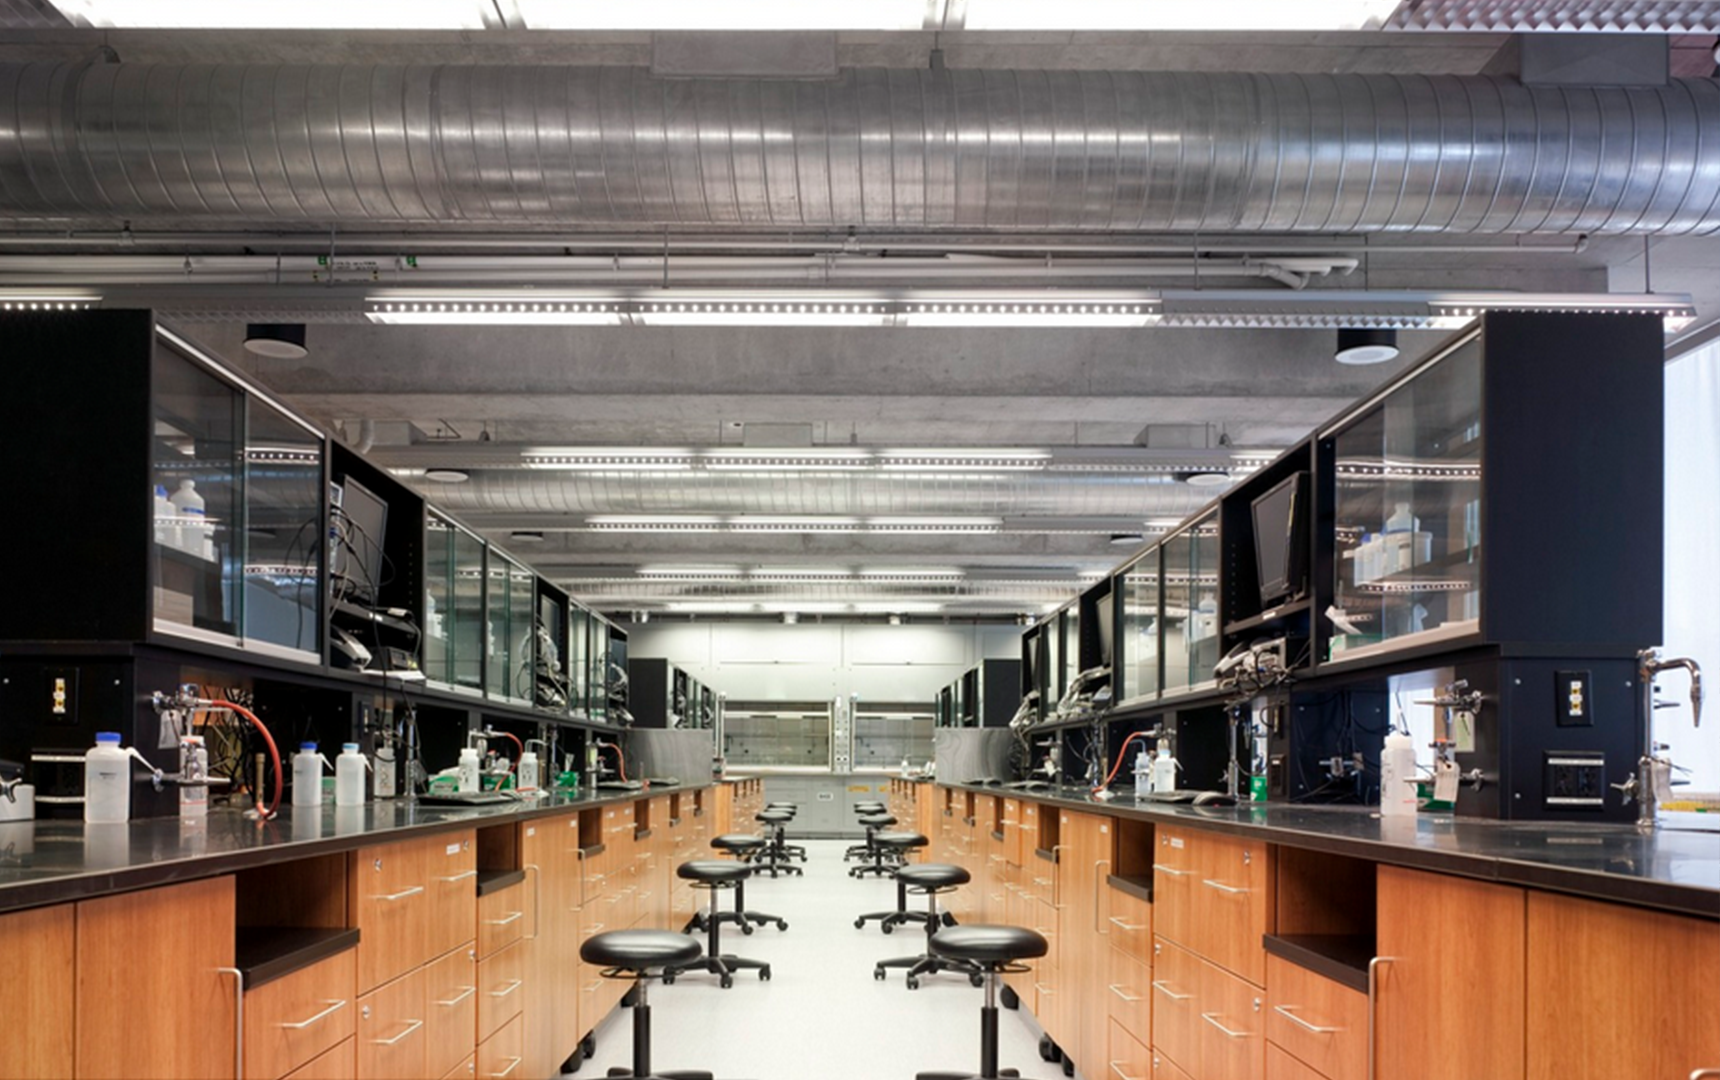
(1572, 701)
(1575, 780)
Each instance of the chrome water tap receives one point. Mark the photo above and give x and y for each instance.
(1641, 786)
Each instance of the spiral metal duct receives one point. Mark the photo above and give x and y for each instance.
(789, 492)
(1053, 150)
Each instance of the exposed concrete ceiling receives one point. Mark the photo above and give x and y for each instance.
(455, 396)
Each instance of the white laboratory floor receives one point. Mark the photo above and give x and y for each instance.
(822, 1015)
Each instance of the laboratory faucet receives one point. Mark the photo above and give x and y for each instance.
(1652, 766)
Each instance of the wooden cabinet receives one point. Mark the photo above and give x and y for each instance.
(1449, 1003)
(389, 901)
(551, 892)
(1616, 989)
(298, 1017)
(1215, 898)
(155, 984)
(1164, 1069)
(451, 1009)
(1126, 1057)
(1283, 1066)
(1321, 1022)
(1129, 995)
(1175, 876)
(503, 916)
(500, 1056)
(451, 871)
(392, 1041)
(38, 1005)
(500, 979)
(466, 1070)
(1205, 1019)
(339, 1062)
(1176, 988)
(1083, 960)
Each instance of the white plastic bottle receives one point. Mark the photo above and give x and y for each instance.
(526, 776)
(195, 536)
(1397, 775)
(1164, 771)
(107, 781)
(468, 770)
(1143, 773)
(349, 776)
(166, 530)
(308, 765)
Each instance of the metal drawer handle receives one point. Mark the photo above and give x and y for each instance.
(1223, 888)
(1117, 920)
(1117, 1067)
(513, 985)
(1162, 868)
(1374, 1008)
(402, 894)
(411, 1026)
(512, 917)
(516, 1064)
(1043, 988)
(333, 1007)
(1285, 1011)
(465, 992)
(1118, 990)
(1158, 984)
(459, 877)
(1705, 1074)
(1208, 1017)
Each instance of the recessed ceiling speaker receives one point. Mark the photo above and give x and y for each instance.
(1126, 539)
(278, 341)
(1205, 477)
(526, 536)
(1366, 346)
(447, 476)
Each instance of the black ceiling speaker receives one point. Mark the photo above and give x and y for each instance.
(279, 341)
(1359, 346)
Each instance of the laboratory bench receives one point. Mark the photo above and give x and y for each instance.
(388, 940)
(1285, 942)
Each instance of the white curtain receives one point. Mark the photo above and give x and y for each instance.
(1693, 560)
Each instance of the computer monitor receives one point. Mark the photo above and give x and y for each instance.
(1102, 616)
(1280, 547)
(358, 562)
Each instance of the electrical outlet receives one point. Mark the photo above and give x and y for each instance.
(1571, 700)
(62, 695)
(1575, 780)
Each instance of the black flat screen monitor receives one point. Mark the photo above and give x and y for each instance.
(1280, 551)
(358, 567)
(1102, 617)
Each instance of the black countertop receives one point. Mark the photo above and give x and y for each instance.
(47, 861)
(1675, 869)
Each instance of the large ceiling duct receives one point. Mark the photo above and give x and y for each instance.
(310, 146)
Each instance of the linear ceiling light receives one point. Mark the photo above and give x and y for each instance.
(24, 301)
(752, 460)
(1027, 312)
(788, 311)
(620, 459)
(1252, 15)
(471, 311)
(965, 525)
(728, 15)
(299, 15)
(944, 460)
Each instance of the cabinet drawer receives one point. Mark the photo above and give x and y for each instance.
(1282, 1066)
(1232, 1027)
(1319, 1021)
(463, 1071)
(1129, 994)
(1176, 991)
(293, 1019)
(502, 918)
(1126, 1058)
(499, 1055)
(339, 1062)
(1174, 878)
(500, 996)
(1231, 903)
(1164, 1069)
(1129, 924)
(391, 1036)
(452, 862)
(452, 1010)
(390, 908)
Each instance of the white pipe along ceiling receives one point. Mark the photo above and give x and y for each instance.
(651, 461)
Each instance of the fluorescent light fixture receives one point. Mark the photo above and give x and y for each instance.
(27, 301)
(493, 311)
(754, 460)
(801, 573)
(913, 572)
(728, 15)
(1026, 311)
(598, 459)
(1241, 15)
(689, 571)
(970, 525)
(771, 311)
(793, 523)
(299, 15)
(654, 523)
(948, 460)
(1676, 312)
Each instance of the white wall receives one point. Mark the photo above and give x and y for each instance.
(1693, 560)
(818, 662)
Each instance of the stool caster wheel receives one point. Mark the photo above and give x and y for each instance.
(878, 973)
(668, 979)
(1013, 1074)
(976, 980)
(746, 928)
(764, 974)
(1068, 1066)
(889, 928)
(914, 982)
(574, 1061)
(588, 1045)
(1048, 1049)
(727, 981)
(859, 924)
(782, 924)
(949, 918)
(1010, 1000)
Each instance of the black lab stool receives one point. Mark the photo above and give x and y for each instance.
(641, 955)
(742, 846)
(773, 860)
(715, 875)
(929, 880)
(995, 950)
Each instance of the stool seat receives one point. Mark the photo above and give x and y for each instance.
(738, 842)
(715, 871)
(902, 839)
(790, 807)
(933, 875)
(988, 944)
(773, 816)
(878, 821)
(637, 950)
